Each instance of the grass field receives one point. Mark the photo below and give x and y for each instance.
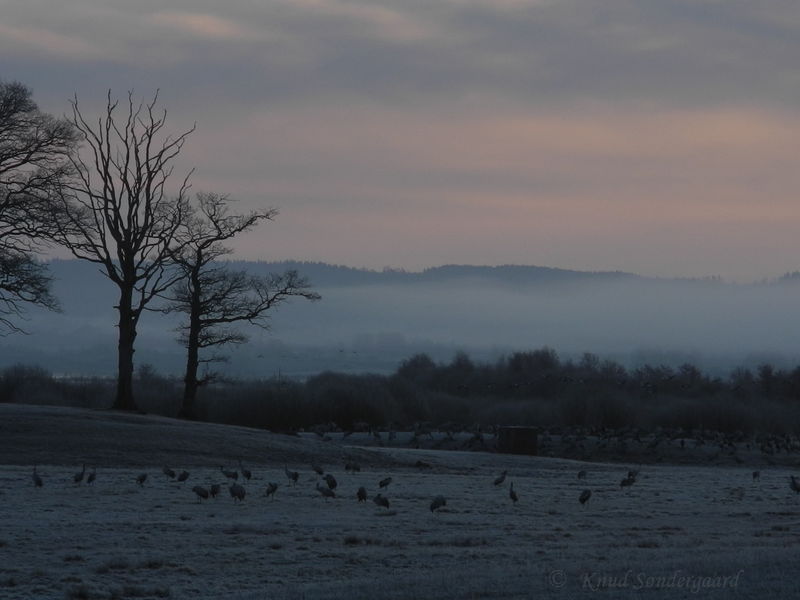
(678, 532)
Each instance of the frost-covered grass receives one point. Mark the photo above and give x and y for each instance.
(121, 540)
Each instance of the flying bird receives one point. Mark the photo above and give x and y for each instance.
(438, 503)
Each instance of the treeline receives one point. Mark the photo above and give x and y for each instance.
(524, 388)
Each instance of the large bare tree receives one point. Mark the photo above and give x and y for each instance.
(33, 146)
(213, 296)
(120, 215)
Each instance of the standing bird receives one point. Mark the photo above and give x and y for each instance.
(37, 481)
(627, 482)
(202, 493)
(584, 497)
(361, 494)
(230, 474)
(245, 472)
(141, 479)
(581, 474)
(331, 481)
(501, 478)
(168, 472)
(183, 476)
(271, 489)
(756, 475)
(237, 492)
(794, 484)
(317, 469)
(384, 483)
(438, 503)
(215, 488)
(78, 477)
(512, 494)
(326, 492)
(292, 475)
(381, 501)
(92, 476)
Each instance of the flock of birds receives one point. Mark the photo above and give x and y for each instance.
(327, 491)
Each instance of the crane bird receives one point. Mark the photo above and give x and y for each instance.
(237, 492)
(292, 475)
(331, 481)
(326, 492)
(183, 476)
(381, 501)
(584, 497)
(317, 469)
(361, 494)
(202, 493)
(168, 472)
(214, 490)
(271, 489)
(437, 503)
(500, 478)
(384, 483)
(230, 474)
(512, 494)
(756, 475)
(246, 473)
(581, 474)
(141, 479)
(78, 477)
(627, 482)
(92, 476)
(794, 483)
(37, 481)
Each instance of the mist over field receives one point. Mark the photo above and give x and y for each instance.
(370, 321)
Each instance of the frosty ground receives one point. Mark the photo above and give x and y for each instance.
(678, 532)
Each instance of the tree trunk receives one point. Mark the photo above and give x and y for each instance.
(190, 380)
(127, 336)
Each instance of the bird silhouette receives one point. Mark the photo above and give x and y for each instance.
(246, 473)
(513, 494)
(794, 484)
(37, 481)
(292, 475)
(230, 474)
(381, 501)
(326, 492)
(183, 476)
(237, 492)
(361, 494)
(384, 482)
(168, 472)
(756, 475)
(581, 474)
(141, 479)
(271, 489)
(500, 478)
(214, 489)
(92, 476)
(78, 477)
(317, 469)
(331, 481)
(202, 493)
(438, 503)
(627, 482)
(584, 497)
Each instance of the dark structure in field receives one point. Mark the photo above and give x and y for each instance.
(517, 440)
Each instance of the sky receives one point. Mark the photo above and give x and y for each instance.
(653, 136)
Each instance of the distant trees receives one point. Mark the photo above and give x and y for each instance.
(214, 297)
(33, 150)
(116, 211)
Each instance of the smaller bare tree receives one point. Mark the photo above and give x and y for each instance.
(215, 297)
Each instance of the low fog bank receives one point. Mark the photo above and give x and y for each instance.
(373, 326)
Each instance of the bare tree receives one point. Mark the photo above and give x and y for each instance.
(213, 296)
(32, 150)
(119, 215)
